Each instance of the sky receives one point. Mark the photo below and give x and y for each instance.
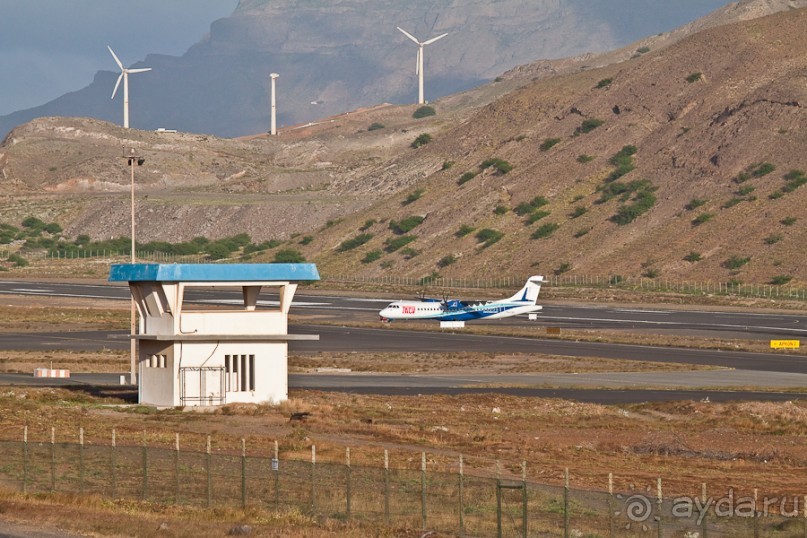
(51, 47)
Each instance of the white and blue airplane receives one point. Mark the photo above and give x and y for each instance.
(523, 302)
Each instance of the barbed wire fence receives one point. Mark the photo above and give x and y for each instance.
(456, 500)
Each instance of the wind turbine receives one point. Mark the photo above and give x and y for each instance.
(124, 74)
(419, 64)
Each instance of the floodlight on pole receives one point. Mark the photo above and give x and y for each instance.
(419, 61)
(273, 128)
(124, 75)
(133, 160)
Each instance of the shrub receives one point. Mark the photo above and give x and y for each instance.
(367, 225)
(762, 169)
(53, 228)
(406, 225)
(525, 208)
(642, 203)
(33, 223)
(372, 256)
(375, 126)
(396, 243)
(781, 280)
(577, 198)
(693, 257)
(702, 218)
(466, 177)
(217, 251)
(488, 236)
(788, 221)
(500, 210)
(588, 125)
(537, 215)
(409, 253)
(623, 160)
(583, 158)
(545, 231)
(579, 211)
(643, 50)
(306, 240)
(732, 202)
(350, 244)
(616, 279)
(772, 239)
(581, 232)
(563, 268)
(775, 195)
(18, 260)
(604, 82)
(547, 144)
(447, 165)
(694, 77)
(617, 188)
(695, 203)
(747, 189)
(735, 262)
(421, 140)
(413, 196)
(289, 255)
(464, 230)
(446, 260)
(795, 179)
(501, 166)
(424, 112)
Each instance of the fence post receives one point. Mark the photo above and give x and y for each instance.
(145, 492)
(52, 459)
(610, 500)
(756, 514)
(423, 490)
(276, 471)
(498, 499)
(243, 473)
(347, 482)
(313, 481)
(460, 493)
(659, 506)
(81, 460)
(209, 475)
(112, 465)
(566, 503)
(176, 470)
(386, 486)
(25, 460)
(704, 527)
(524, 520)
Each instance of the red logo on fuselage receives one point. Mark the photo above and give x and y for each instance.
(408, 309)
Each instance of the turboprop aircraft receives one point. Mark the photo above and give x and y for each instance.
(522, 302)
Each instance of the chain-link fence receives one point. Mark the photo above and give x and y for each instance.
(454, 502)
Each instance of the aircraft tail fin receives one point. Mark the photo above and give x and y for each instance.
(530, 290)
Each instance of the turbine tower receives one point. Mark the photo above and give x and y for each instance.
(124, 74)
(273, 129)
(419, 64)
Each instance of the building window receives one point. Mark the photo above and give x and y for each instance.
(239, 373)
(156, 361)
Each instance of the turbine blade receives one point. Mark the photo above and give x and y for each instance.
(117, 61)
(116, 85)
(432, 40)
(407, 34)
(141, 70)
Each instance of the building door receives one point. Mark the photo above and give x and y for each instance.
(201, 385)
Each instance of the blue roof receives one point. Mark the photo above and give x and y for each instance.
(206, 272)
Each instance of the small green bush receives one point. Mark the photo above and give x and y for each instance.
(367, 225)
(643, 50)
(577, 198)
(18, 260)
(695, 203)
(579, 211)
(735, 262)
(694, 77)
(488, 236)
(581, 232)
(547, 144)
(446, 260)
(408, 253)
(500, 210)
(350, 244)
(413, 196)
(375, 126)
(525, 208)
(794, 179)
(745, 190)
(604, 82)
(702, 218)
(501, 166)
(289, 255)
(424, 112)
(693, 257)
(421, 140)
(762, 169)
(772, 239)
(732, 202)
(406, 225)
(33, 223)
(466, 177)
(775, 195)
(53, 228)
(545, 231)
(397, 243)
(464, 230)
(563, 268)
(534, 217)
(372, 256)
(447, 165)
(788, 221)
(583, 158)
(781, 280)
(642, 203)
(306, 240)
(623, 160)
(651, 273)
(589, 125)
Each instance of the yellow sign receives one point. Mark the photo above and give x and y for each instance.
(785, 344)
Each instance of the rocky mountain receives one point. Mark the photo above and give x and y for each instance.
(683, 159)
(337, 56)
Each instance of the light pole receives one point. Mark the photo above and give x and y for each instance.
(273, 129)
(133, 160)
